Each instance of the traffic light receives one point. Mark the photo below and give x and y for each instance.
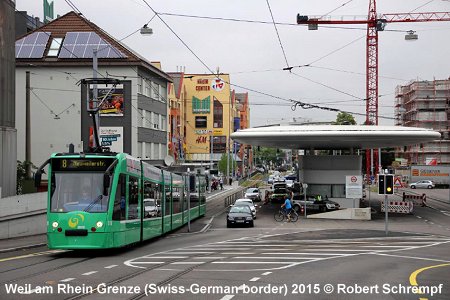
(385, 184)
(389, 184)
(381, 186)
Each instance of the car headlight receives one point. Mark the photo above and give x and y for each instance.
(99, 224)
(230, 218)
(55, 224)
(249, 218)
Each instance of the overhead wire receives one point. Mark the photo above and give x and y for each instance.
(278, 34)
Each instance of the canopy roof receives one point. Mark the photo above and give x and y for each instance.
(334, 136)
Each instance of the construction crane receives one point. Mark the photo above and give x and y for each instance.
(374, 24)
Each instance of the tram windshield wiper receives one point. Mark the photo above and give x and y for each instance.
(88, 208)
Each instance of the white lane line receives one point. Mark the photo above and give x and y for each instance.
(190, 252)
(188, 262)
(255, 279)
(384, 246)
(67, 280)
(431, 223)
(210, 257)
(111, 266)
(227, 297)
(419, 217)
(413, 257)
(238, 253)
(302, 253)
(165, 257)
(266, 273)
(265, 257)
(252, 262)
(219, 249)
(89, 273)
(148, 262)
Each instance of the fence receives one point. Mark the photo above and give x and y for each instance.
(231, 198)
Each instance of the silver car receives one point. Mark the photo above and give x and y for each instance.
(422, 184)
(253, 193)
(249, 203)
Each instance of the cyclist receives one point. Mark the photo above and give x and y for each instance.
(287, 206)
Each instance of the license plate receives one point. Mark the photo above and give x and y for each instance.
(240, 221)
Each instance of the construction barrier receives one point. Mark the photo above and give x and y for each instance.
(402, 207)
(416, 199)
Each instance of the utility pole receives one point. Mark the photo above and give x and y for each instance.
(95, 96)
(27, 126)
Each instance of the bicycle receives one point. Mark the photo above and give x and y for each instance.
(281, 214)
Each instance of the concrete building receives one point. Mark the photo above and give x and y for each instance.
(210, 116)
(425, 104)
(244, 151)
(177, 116)
(51, 61)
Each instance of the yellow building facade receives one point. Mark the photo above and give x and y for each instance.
(209, 114)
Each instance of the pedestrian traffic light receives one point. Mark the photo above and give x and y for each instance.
(389, 182)
(381, 185)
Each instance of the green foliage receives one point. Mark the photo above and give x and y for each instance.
(222, 165)
(22, 174)
(344, 118)
(266, 155)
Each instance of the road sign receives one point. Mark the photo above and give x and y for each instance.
(398, 181)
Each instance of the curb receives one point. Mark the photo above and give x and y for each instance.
(22, 247)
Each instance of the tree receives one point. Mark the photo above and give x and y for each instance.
(344, 118)
(266, 155)
(223, 163)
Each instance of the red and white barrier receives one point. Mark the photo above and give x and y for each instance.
(402, 207)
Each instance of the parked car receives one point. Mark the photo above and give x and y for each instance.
(249, 203)
(312, 203)
(422, 184)
(253, 193)
(240, 215)
(151, 208)
(270, 180)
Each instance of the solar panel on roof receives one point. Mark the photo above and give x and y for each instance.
(82, 45)
(33, 45)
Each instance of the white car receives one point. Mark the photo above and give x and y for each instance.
(253, 193)
(151, 209)
(248, 202)
(425, 184)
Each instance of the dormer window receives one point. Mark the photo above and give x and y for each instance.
(54, 47)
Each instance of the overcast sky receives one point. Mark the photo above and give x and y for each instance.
(252, 55)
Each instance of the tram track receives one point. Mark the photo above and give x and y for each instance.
(47, 271)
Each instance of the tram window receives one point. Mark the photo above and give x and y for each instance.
(168, 194)
(176, 199)
(152, 205)
(120, 200)
(133, 196)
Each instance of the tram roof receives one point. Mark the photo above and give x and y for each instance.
(334, 136)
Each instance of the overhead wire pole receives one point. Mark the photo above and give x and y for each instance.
(375, 24)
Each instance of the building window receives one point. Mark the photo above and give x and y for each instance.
(147, 87)
(154, 90)
(218, 114)
(139, 84)
(163, 93)
(54, 47)
(163, 123)
(219, 144)
(201, 122)
(141, 117)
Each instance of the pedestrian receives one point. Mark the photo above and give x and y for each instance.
(221, 183)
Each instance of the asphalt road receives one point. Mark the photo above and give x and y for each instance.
(309, 259)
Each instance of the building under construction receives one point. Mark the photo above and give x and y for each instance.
(425, 104)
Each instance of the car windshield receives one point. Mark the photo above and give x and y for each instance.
(246, 202)
(149, 202)
(240, 209)
(78, 192)
(252, 191)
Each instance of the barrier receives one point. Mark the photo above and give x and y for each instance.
(416, 199)
(402, 207)
(231, 198)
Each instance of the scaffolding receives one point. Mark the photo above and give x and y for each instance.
(425, 104)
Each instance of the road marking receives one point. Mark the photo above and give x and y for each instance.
(209, 257)
(265, 257)
(413, 257)
(188, 262)
(251, 262)
(413, 276)
(238, 253)
(89, 273)
(222, 248)
(190, 252)
(67, 279)
(148, 262)
(165, 256)
(383, 246)
(32, 255)
(419, 217)
(111, 266)
(227, 297)
(255, 279)
(266, 273)
(303, 253)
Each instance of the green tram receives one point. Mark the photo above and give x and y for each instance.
(110, 200)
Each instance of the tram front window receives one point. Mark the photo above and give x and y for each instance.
(78, 192)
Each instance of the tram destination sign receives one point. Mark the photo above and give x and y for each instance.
(81, 164)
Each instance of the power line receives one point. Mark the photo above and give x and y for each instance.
(278, 35)
(340, 6)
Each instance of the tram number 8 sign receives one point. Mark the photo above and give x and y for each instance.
(385, 184)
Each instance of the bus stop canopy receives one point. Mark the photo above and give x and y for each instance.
(329, 137)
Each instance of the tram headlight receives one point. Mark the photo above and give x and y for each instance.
(99, 224)
(55, 224)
